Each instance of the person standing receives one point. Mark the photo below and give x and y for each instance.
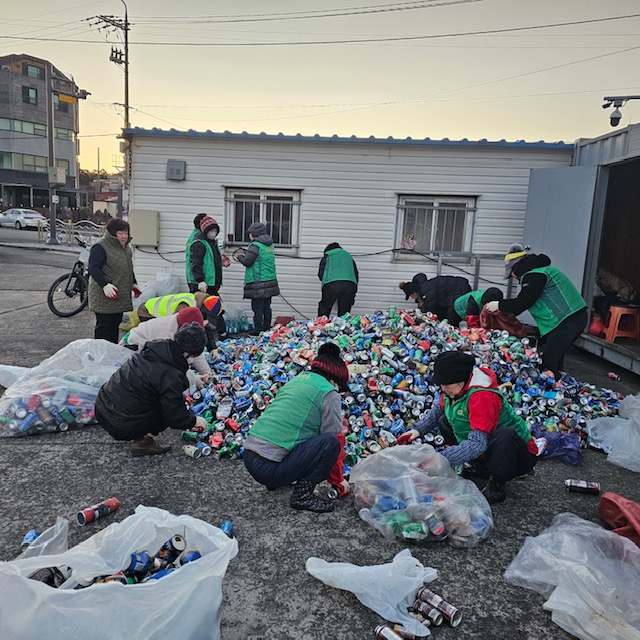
(436, 295)
(260, 278)
(555, 304)
(144, 396)
(191, 281)
(300, 436)
(111, 279)
(479, 424)
(338, 273)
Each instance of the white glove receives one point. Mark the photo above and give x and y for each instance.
(110, 291)
(202, 286)
(201, 422)
(492, 306)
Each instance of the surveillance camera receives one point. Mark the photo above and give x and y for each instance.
(606, 105)
(615, 117)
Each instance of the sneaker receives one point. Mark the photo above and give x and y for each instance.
(494, 491)
(304, 499)
(148, 446)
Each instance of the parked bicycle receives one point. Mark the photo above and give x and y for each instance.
(68, 295)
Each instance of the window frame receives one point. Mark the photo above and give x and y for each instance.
(28, 68)
(261, 196)
(437, 203)
(26, 95)
(59, 105)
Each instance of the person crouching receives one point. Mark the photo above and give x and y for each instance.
(144, 396)
(299, 438)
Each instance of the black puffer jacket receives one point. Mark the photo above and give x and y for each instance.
(146, 392)
(440, 293)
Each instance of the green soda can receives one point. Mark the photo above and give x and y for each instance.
(67, 416)
(189, 436)
(392, 312)
(396, 521)
(414, 530)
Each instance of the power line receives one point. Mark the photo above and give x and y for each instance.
(345, 41)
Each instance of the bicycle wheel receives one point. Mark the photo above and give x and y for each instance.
(68, 295)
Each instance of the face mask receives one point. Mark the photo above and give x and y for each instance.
(212, 235)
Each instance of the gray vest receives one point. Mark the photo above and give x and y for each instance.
(118, 269)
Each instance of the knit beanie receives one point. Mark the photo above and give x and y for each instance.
(257, 229)
(453, 366)
(514, 255)
(330, 364)
(117, 224)
(492, 294)
(198, 219)
(190, 314)
(191, 338)
(207, 223)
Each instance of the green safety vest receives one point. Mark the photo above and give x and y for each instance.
(558, 301)
(190, 241)
(208, 266)
(264, 268)
(295, 415)
(338, 266)
(460, 304)
(457, 413)
(167, 305)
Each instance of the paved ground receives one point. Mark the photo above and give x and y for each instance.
(268, 593)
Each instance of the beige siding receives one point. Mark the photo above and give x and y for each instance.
(349, 195)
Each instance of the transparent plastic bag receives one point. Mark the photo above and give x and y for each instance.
(619, 437)
(184, 604)
(413, 493)
(590, 576)
(60, 393)
(53, 540)
(388, 589)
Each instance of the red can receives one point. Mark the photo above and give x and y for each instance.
(97, 511)
(452, 614)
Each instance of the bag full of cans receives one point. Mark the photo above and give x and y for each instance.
(152, 575)
(59, 394)
(412, 493)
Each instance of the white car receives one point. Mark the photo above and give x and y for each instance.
(21, 218)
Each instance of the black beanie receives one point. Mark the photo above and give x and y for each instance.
(191, 338)
(453, 366)
(330, 364)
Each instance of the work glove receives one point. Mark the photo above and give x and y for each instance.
(201, 422)
(226, 260)
(202, 286)
(110, 291)
(408, 437)
(136, 291)
(492, 306)
(343, 489)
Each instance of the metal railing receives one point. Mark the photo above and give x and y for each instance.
(68, 231)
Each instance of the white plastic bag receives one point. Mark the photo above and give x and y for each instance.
(388, 589)
(619, 437)
(590, 575)
(411, 492)
(184, 604)
(53, 540)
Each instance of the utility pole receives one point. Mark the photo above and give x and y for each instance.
(51, 138)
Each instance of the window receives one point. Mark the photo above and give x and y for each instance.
(65, 134)
(29, 95)
(5, 124)
(435, 223)
(62, 164)
(60, 105)
(5, 160)
(26, 162)
(32, 71)
(279, 210)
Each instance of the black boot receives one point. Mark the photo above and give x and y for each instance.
(303, 498)
(494, 491)
(475, 469)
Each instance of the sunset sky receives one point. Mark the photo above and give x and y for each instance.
(433, 68)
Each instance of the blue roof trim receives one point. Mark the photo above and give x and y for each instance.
(227, 135)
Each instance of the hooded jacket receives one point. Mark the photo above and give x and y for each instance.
(259, 288)
(146, 392)
(440, 293)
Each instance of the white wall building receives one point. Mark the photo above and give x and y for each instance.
(368, 194)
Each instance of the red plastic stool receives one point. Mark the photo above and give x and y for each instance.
(622, 322)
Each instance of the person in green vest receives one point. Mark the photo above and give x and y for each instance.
(191, 281)
(481, 427)
(555, 304)
(338, 273)
(111, 279)
(300, 436)
(469, 305)
(260, 278)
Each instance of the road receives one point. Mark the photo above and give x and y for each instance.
(268, 593)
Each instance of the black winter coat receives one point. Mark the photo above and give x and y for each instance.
(145, 394)
(440, 293)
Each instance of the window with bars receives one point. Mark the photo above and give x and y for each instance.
(435, 223)
(278, 210)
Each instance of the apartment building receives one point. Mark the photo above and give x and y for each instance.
(24, 141)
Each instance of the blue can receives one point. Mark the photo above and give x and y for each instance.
(189, 555)
(159, 575)
(227, 528)
(28, 422)
(29, 537)
(140, 563)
